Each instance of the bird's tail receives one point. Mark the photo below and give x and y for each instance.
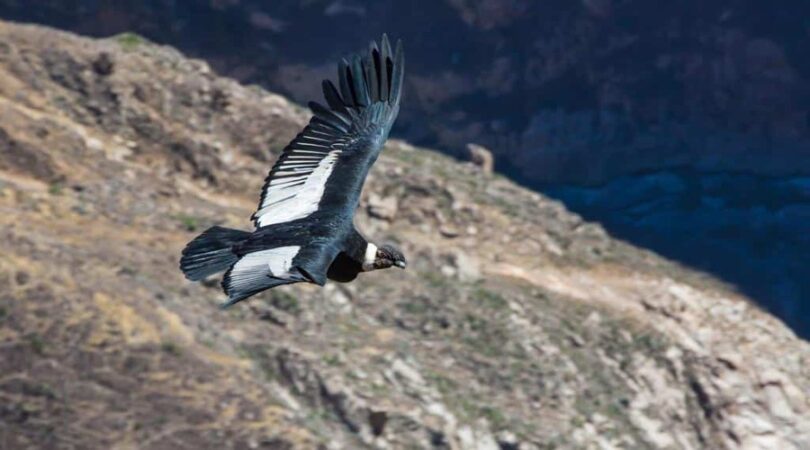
(211, 252)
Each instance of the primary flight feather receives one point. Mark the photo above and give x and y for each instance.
(304, 223)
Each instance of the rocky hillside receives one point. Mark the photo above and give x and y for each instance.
(516, 326)
(694, 112)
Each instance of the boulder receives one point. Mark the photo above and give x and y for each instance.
(481, 157)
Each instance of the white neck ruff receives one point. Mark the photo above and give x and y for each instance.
(370, 257)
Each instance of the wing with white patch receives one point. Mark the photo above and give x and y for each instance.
(340, 142)
(257, 271)
(296, 183)
(263, 269)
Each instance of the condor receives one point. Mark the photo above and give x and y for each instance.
(304, 224)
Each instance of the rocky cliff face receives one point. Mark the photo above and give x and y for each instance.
(516, 326)
(613, 95)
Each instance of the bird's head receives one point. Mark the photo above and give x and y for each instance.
(389, 256)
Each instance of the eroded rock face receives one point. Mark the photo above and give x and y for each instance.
(547, 333)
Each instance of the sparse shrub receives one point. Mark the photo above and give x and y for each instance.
(37, 344)
(445, 385)
(416, 306)
(494, 416)
(331, 360)
(488, 336)
(489, 299)
(286, 302)
(170, 348)
(129, 41)
(435, 279)
(190, 223)
(40, 390)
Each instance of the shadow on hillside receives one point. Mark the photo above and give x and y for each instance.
(749, 231)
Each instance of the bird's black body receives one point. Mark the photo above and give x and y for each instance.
(344, 269)
(304, 224)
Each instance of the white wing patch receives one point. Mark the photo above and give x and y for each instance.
(298, 189)
(275, 262)
(258, 271)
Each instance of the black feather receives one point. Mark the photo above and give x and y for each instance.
(371, 77)
(397, 70)
(334, 118)
(386, 60)
(210, 252)
(382, 74)
(332, 96)
(252, 286)
(360, 87)
(345, 80)
(319, 123)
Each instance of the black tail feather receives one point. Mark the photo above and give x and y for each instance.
(211, 252)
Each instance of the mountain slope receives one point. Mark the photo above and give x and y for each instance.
(516, 325)
(696, 112)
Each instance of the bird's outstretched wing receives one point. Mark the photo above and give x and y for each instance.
(263, 269)
(324, 167)
(321, 171)
(257, 271)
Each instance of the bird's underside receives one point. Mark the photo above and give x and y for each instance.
(304, 222)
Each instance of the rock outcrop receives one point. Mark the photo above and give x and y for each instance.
(481, 157)
(525, 327)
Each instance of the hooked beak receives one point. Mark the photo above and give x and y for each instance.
(401, 264)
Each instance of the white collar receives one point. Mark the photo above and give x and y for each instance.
(370, 257)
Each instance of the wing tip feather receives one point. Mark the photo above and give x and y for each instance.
(365, 79)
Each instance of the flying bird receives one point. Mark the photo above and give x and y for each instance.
(304, 223)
